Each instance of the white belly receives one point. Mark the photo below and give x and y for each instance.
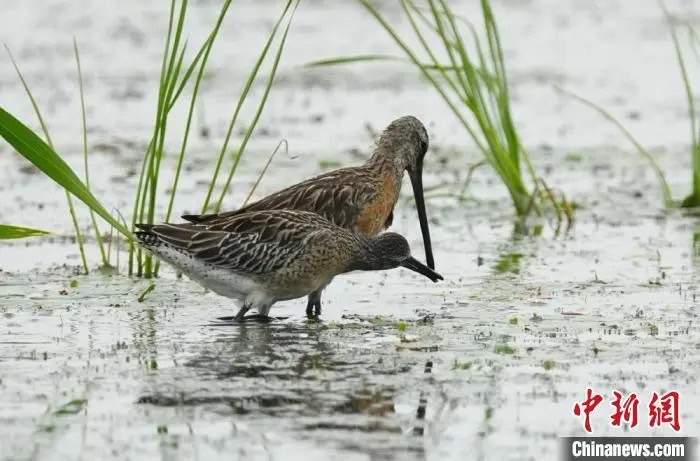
(220, 281)
(247, 290)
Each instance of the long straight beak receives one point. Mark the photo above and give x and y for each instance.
(417, 183)
(417, 266)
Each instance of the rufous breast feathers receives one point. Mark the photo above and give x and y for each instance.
(373, 217)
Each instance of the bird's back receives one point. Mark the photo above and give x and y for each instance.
(356, 198)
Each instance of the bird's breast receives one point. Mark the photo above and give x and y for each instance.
(374, 213)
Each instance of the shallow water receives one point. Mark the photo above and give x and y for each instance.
(512, 338)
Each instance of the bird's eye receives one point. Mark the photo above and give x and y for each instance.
(423, 146)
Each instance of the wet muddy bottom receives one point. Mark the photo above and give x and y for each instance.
(486, 365)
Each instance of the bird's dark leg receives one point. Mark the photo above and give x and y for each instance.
(263, 314)
(241, 313)
(262, 317)
(313, 306)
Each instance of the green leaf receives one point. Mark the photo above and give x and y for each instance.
(16, 232)
(352, 59)
(34, 149)
(149, 288)
(71, 408)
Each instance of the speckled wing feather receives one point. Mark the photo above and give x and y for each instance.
(251, 243)
(338, 196)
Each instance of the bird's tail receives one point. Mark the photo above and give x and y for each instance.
(146, 236)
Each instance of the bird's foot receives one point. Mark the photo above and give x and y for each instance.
(313, 310)
(258, 318)
(313, 319)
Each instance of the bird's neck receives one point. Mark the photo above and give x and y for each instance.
(370, 263)
(385, 161)
(368, 258)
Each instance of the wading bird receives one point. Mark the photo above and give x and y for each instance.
(261, 257)
(360, 198)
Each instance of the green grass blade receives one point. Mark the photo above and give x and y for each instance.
(472, 82)
(140, 187)
(157, 159)
(241, 99)
(173, 57)
(98, 235)
(15, 232)
(27, 90)
(265, 168)
(665, 189)
(34, 149)
(69, 200)
(486, 100)
(501, 78)
(148, 166)
(516, 150)
(448, 40)
(261, 107)
(207, 49)
(694, 41)
(417, 62)
(694, 199)
(176, 94)
(435, 65)
(341, 60)
(190, 70)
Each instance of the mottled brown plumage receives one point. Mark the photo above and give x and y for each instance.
(360, 198)
(261, 257)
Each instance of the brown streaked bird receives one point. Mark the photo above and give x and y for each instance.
(261, 257)
(360, 198)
